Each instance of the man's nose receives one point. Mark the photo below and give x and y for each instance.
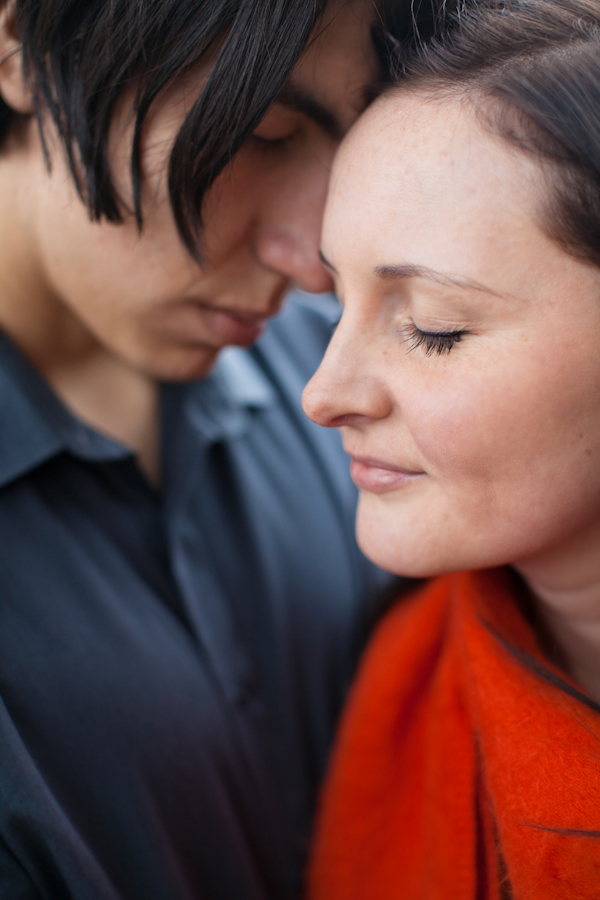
(292, 249)
(288, 238)
(345, 389)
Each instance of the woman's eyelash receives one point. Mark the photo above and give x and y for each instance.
(437, 342)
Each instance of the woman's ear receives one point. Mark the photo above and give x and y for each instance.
(13, 89)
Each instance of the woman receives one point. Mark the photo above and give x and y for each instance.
(463, 232)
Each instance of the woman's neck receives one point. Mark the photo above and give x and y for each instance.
(566, 592)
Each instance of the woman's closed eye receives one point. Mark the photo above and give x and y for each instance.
(433, 342)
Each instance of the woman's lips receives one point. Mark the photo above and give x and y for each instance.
(377, 477)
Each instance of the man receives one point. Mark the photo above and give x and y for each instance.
(181, 596)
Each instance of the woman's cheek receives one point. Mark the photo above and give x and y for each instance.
(452, 427)
(495, 447)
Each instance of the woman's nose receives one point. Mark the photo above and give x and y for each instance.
(345, 390)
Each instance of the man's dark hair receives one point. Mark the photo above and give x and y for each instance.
(80, 55)
(532, 68)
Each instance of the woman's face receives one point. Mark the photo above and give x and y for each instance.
(465, 372)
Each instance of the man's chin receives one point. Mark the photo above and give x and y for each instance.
(178, 364)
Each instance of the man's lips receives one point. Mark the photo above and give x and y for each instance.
(377, 477)
(230, 327)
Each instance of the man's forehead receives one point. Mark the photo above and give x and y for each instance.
(333, 79)
(295, 96)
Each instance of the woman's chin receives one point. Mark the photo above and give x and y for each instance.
(398, 554)
(400, 538)
(410, 543)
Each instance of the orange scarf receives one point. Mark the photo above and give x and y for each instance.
(462, 772)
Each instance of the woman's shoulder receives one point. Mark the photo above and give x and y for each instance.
(409, 619)
(415, 632)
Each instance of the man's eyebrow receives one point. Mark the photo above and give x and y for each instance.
(409, 271)
(326, 262)
(300, 100)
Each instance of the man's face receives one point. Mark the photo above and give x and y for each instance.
(142, 296)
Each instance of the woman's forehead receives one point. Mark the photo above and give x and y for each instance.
(410, 156)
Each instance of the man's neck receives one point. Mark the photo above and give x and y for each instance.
(96, 386)
(115, 400)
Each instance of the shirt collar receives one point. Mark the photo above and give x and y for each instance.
(35, 425)
(220, 406)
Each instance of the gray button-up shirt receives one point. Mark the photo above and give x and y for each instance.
(172, 665)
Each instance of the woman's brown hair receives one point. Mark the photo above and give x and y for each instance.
(532, 67)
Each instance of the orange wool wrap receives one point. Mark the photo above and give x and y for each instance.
(461, 772)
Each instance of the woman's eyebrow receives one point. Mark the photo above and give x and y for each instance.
(300, 100)
(410, 271)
